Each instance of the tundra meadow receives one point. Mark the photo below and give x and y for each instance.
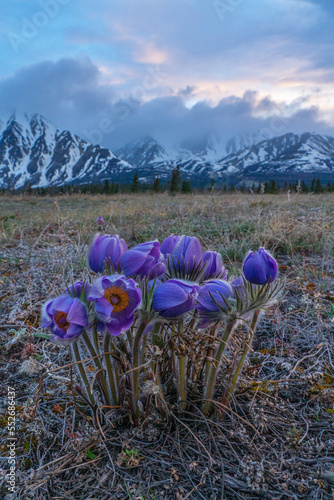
(167, 347)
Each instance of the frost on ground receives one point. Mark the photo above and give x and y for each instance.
(277, 441)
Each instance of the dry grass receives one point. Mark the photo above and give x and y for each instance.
(278, 438)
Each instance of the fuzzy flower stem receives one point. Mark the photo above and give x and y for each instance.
(98, 364)
(81, 371)
(155, 335)
(213, 332)
(136, 364)
(242, 359)
(182, 362)
(116, 349)
(110, 369)
(129, 337)
(211, 378)
(96, 341)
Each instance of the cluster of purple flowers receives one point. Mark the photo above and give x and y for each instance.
(115, 297)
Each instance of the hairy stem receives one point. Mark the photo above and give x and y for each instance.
(136, 364)
(209, 350)
(240, 365)
(212, 375)
(81, 372)
(110, 369)
(182, 363)
(102, 379)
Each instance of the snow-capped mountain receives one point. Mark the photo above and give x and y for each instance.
(290, 154)
(143, 153)
(33, 151)
(152, 160)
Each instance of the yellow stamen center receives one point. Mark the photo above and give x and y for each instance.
(117, 297)
(60, 319)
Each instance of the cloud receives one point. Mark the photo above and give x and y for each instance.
(64, 91)
(73, 94)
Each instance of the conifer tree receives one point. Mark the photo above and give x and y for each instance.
(156, 185)
(318, 186)
(313, 185)
(106, 188)
(175, 181)
(135, 184)
(185, 188)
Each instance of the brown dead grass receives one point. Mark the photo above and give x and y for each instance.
(279, 434)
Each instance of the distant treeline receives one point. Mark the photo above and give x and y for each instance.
(175, 185)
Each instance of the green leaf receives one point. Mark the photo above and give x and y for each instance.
(91, 455)
(41, 335)
(331, 313)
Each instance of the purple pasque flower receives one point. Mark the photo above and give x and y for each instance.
(144, 260)
(212, 300)
(214, 267)
(66, 317)
(174, 298)
(100, 220)
(169, 243)
(186, 254)
(105, 248)
(79, 289)
(260, 267)
(116, 300)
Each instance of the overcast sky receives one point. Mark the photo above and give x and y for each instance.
(114, 71)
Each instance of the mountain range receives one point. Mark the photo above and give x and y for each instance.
(34, 152)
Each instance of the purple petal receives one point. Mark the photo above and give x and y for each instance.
(103, 308)
(168, 295)
(132, 261)
(179, 309)
(78, 313)
(97, 290)
(73, 331)
(168, 245)
(62, 303)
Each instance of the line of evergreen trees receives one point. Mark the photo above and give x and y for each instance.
(273, 187)
(176, 185)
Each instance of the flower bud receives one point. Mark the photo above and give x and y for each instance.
(144, 260)
(260, 267)
(214, 267)
(106, 248)
(174, 298)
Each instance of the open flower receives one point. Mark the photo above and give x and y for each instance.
(214, 267)
(66, 317)
(174, 298)
(212, 300)
(260, 267)
(116, 300)
(144, 260)
(100, 220)
(169, 243)
(106, 248)
(79, 289)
